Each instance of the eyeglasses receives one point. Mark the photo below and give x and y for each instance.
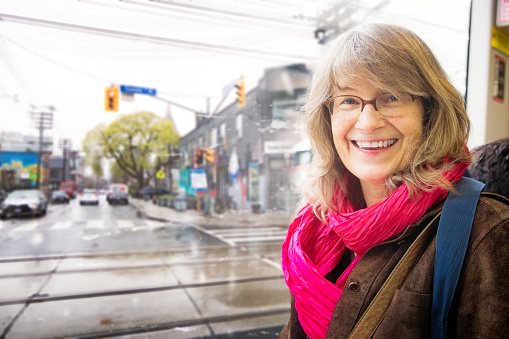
(387, 104)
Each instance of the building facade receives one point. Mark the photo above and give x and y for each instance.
(245, 152)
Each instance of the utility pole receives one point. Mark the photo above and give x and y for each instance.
(65, 145)
(42, 119)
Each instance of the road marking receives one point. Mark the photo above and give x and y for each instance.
(280, 233)
(62, 225)
(256, 239)
(124, 224)
(250, 230)
(154, 224)
(95, 224)
(25, 228)
(235, 236)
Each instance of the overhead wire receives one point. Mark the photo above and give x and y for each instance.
(196, 45)
(88, 74)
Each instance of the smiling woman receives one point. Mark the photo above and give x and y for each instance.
(388, 133)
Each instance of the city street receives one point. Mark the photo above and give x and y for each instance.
(115, 271)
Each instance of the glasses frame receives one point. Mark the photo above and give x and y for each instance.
(364, 102)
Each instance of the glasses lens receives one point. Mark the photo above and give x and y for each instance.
(330, 106)
(345, 105)
(389, 103)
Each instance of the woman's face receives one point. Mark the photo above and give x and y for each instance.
(370, 145)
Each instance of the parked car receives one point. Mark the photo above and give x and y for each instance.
(118, 194)
(24, 202)
(149, 191)
(89, 197)
(3, 195)
(59, 197)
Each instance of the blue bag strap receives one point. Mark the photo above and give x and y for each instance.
(451, 246)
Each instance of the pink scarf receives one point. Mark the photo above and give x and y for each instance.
(312, 249)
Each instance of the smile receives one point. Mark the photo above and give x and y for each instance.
(374, 144)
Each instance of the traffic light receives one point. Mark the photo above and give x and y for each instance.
(198, 156)
(241, 93)
(111, 99)
(209, 155)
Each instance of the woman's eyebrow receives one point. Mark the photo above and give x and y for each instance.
(344, 89)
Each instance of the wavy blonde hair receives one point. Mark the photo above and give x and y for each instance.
(391, 58)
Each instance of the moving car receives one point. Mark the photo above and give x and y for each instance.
(89, 197)
(71, 188)
(118, 194)
(24, 202)
(59, 197)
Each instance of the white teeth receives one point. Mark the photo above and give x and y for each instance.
(375, 144)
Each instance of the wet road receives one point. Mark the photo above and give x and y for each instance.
(73, 228)
(92, 272)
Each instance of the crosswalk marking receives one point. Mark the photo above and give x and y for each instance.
(62, 225)
(28, 227)
(234, 236)
(154, 224)
(253, 234)
(256, 239)
(121, 224)
(95, 224)
(249, 230)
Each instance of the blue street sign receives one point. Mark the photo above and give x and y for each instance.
(137, 90)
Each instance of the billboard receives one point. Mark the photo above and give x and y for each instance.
(23, 162)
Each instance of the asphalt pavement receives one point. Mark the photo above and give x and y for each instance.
(214, 290)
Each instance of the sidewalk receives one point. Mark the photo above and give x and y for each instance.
(229, 218)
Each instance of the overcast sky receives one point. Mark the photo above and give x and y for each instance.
(64, 53)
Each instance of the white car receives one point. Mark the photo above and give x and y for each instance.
(89, 197)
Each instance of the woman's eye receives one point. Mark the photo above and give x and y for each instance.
(348, 101)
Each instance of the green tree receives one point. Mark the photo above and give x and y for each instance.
(133, 139)
(93, 146)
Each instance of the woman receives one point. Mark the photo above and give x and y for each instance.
(388, 132)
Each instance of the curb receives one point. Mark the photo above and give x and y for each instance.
(142, 214)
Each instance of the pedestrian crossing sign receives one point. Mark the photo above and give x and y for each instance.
(160, 175)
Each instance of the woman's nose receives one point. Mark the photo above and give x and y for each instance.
(369, 119)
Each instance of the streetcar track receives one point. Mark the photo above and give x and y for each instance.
(125, 268)
(43, 298)
(165, 250)
(184, 323)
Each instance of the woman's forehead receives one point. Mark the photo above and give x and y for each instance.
(354, 85)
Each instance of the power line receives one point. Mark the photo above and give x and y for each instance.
(243, 15)
(90, 75)
(201, 46)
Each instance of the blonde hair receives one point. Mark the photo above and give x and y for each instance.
(391, 58)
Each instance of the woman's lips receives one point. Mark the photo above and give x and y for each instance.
(374, 144)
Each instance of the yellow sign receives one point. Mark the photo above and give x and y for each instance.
(500, 40)
(160, 175)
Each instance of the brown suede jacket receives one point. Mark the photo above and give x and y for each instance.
(480, 308)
